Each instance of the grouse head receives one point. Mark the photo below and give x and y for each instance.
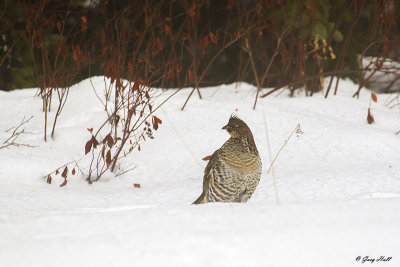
(237, 128)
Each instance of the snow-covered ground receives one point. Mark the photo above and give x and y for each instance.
(338, 185)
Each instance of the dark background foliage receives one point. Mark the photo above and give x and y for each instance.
(194, 43)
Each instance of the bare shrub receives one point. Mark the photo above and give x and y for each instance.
(15, 133)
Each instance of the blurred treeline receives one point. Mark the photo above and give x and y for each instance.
(175, 43)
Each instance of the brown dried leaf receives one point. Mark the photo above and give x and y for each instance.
(136, 185)
(88, 146)
(90, 130)
(76, 53)
(166, 29)
(103, 151)
(65, 172)
(206, 41)
(108, 140)
(156, 121)
(213, 38)
(83, 23)
(57, 172)
(374, 97)
(190, 75)
(49, 179)
(108, 158)
(73, 171)
(370, 119)
(116, 119)
(207, 158)
(64, 183)
(229, 5)
(105, 139)
(94, 142)
(136, 85)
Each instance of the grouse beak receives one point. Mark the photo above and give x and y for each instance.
(225, 127)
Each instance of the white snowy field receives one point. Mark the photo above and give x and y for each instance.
(338, 185)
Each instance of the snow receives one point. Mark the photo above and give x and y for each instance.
(385, 74)
(338, 185)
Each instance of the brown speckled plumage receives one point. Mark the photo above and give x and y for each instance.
(234, 170)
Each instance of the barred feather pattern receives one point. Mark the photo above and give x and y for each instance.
(233, 172)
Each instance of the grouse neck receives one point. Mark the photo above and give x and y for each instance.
(247, 141)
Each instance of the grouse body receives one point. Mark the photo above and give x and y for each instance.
(234, 170)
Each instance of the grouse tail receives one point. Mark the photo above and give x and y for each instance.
(200, 199)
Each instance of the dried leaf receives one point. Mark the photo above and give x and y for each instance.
(136, 85)
(370, 119)
(192, 10)
(156, 121)
(73, 171)
(206, 41)
(57, 172)
(88, 146)
(116, 119)
(108, 140)
(213, 38)
(64, 183)
(65, 172)
(260, 31)
(190, 75)
(90, 130)
(49, 179)
(108, 158)
(94, 142)
(136, 185)
(166, 29)
(83, 23)
(229, 5)
(76, 53)
(207, 158)
(374, 97)
(103, 151)
(139, 147)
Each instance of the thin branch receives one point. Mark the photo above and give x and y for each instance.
(17, 132)
(286, 141)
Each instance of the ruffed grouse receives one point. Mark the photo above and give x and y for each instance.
(234, 170)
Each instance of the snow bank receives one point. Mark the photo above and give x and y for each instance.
(338, 185)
